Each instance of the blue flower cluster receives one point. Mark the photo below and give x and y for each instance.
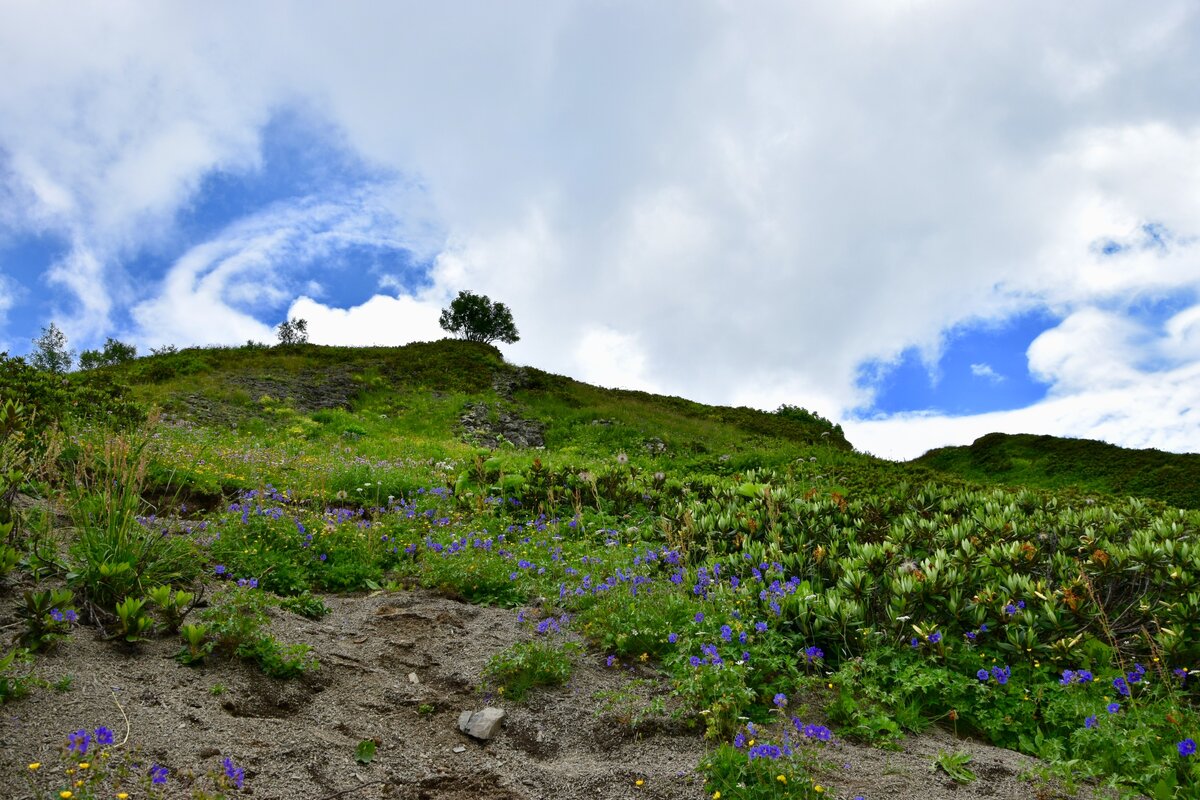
(1001, 674)
(1076, 676)
(235, 774)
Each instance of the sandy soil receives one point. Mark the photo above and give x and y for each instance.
(399, 668)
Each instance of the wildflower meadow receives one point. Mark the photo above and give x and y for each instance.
(792, 594)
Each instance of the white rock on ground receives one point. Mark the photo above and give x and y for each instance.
(481, 724)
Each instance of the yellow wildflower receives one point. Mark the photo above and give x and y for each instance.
(781, 778)
(84, 765)
(66, 794)
(638, 782)
(35, 766)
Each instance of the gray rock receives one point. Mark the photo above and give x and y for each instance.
(483, 724)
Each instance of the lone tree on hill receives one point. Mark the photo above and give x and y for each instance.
(50, 351)
(476, 318)
(293, 331)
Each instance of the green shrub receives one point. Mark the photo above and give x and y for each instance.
(525, 665)
(236, 626)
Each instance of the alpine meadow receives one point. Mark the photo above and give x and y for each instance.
(306, 571)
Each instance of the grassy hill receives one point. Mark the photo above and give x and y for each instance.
(781, 583)
(1051, 462)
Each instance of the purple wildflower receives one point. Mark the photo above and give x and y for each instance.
(78, 741)
(234, 773)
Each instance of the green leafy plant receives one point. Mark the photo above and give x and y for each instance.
(132, 622)
(305, 604)
(717, 692)
(955, 765)
(16, 674)
(173, 606)
(236, 625)
(115, 556)
(197, 644)
(9, 558)
(364, 752)
(629, 705)
(525, 665)
(48, 617)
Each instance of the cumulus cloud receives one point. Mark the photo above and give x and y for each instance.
(381, 320)
(731, 205)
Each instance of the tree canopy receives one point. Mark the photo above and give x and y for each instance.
(114, 352)
(50, 352)
(476, 318)
(293, 331)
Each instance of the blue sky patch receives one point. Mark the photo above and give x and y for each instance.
(983, 368)
(23, 262)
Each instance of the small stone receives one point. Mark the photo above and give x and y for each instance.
(481, 724)
(412, 678)
(460, 749)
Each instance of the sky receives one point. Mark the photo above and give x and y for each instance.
(926, 220)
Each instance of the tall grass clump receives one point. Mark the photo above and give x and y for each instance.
(115, 555)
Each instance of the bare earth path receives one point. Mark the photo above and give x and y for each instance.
(399, 668)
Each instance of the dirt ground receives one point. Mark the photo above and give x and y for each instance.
(399, 668)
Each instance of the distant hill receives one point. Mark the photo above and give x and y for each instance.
(452, 381)
(461, 392)
(1051, 462)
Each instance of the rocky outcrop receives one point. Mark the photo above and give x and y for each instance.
(489, 426)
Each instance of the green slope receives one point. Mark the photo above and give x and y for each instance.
(1050, 462)
(230, 383)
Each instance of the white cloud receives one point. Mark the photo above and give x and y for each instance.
(1090, 349)
(610, 358)
(215, 293)
(379, 321)
(986, 371)
(733, 205)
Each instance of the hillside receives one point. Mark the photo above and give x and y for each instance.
(278, 556)
(1051, 462)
